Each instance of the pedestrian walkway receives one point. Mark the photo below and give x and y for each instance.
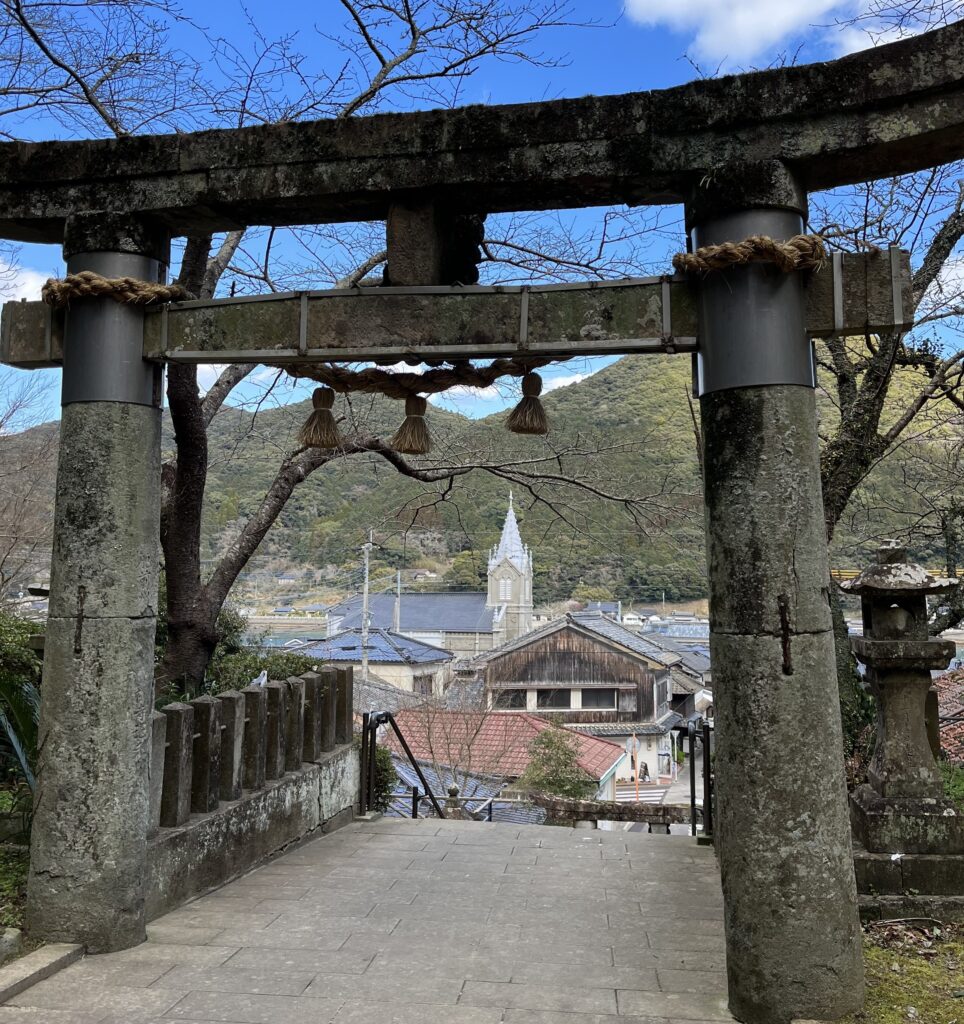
(426, 922)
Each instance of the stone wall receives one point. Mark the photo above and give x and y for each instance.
(213, 848)
(239, 776)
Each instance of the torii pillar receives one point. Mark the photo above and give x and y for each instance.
(792, 925)
(88, 853)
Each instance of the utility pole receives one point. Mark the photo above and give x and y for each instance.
(366, 549)
(397, 617)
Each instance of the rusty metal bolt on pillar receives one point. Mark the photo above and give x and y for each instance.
(903, 808)
(792, 928)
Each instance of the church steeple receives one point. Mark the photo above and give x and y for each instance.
(510, 580)
(510, 545)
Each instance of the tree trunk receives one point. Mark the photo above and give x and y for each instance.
(191, 640)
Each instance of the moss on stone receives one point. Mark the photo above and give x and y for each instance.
(903, 986)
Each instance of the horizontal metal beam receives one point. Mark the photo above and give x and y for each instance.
(884, 111)
(850, 294)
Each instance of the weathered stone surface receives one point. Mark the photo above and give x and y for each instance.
(329, 681)
(906, 825)
(255, 735)
(793, 939)
(105, 551)
(178, 764)
(344, 692)
(889, 110)
(311, 748)
(275, 739)
(158, 750)
(11, 940)
(206, 772)
(295, 727)
(92, 811)
(232, 744)
(209, 850)
(36, 966)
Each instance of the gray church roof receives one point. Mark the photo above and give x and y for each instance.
(420, 613)
(384, 647)
(510, 544)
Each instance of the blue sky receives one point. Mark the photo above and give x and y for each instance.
(643, 44)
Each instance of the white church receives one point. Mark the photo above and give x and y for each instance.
(465, 623)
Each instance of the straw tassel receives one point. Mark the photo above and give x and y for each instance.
(529, 416)
(320, 429)
(412, 437)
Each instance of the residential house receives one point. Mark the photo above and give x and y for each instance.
(594, 675)
(496, 746)
(465, 623)
(395, 659)
(611, 609)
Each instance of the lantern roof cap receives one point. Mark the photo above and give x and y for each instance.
(893, 574)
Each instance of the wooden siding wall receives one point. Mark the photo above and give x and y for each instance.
(570, 660)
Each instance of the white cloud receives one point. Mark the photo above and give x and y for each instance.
(20, 282)
(207, 374)
(736, 31)
(562, 382)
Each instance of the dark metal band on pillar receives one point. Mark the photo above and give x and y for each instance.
(104, 362)
(777, 350)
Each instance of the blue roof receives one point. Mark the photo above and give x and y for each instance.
(384, 647)
(419, 613)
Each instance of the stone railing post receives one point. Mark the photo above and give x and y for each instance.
(295, 726)
(206, 782)
(178, 765)
(277, 694)
(312, 746)
(232, 744)
(98, 676)
(255, 735)
(793, 936)
(344, 706)
(329, 684)
(158, 749)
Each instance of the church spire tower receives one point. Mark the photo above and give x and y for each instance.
(510, 581)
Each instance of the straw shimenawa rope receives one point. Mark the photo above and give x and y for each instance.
(802, 252)
(127, 290)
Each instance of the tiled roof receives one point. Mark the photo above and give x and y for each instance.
(491, 742)
(384, 647)
(377, 695)
(950, 700)
(419, 613)
(622, 728)
(593, 622)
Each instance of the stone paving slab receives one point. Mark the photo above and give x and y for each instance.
(428, 922)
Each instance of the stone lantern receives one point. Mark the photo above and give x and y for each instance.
(903, 809)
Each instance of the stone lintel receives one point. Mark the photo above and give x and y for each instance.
(891, 109)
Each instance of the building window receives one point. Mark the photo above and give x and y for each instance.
(605, 698)
(505, 590)
(423, 685)
(510, 700)
(553, 699)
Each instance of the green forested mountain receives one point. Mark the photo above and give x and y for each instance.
(627, 432)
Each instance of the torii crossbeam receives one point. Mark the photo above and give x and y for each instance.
(740, 153)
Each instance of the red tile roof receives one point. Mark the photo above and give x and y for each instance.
(490, 742)
(950, 700)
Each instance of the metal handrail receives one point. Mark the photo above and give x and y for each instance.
(370, 725)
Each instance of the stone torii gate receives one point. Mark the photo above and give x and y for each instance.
(741, 154)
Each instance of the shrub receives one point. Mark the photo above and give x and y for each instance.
(554, 767)
(386, 778)
(236, 671)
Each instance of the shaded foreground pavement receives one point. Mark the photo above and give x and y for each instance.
(426, 922)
